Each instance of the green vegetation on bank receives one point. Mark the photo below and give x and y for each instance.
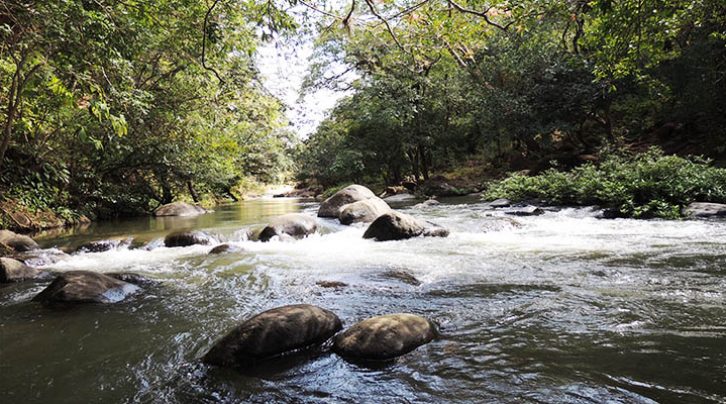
(643, 186)
(518, 85)
(111, 108)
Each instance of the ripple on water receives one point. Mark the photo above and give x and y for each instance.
(562, 308)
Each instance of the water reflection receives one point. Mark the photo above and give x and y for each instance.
(562, 308)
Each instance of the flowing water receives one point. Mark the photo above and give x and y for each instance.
(564, 308)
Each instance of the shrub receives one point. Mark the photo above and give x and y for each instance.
(643, 186)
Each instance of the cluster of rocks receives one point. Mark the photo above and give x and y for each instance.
(358, 204)
(287, 329)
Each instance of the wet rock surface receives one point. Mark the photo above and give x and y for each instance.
(364, 211)
(187, 238)
(18, 242)
(384, 337)
(353, 193)
(85, 287)
(295, 225)
(705, 210)
(179, 209)
(272, 333)
(12, 270)
(400, 226)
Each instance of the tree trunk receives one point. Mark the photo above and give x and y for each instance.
(192, 191)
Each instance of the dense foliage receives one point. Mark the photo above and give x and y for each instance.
(112, 107)
(642, 186)
(516, 84)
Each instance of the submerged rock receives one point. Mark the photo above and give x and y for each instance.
(187, 238)
(39, 258)
(12, 270)
(18, 242)
(402, 276)
(132, 278)
(526, 211)
(384, 337)
(331, 284)
(494, 223)
(353, 193)
(179, 209)
(295, 225)
(272, 333)
(427, 203)
(104, 245)
(704, 210)
(85, 287)
(399, 226)
(364, 211)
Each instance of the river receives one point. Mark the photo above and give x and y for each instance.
(564, 308)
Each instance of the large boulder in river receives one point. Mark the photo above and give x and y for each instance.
(384, 337)
(179, 209)
(353, 193)
(85, 287)
(272, 333)
(187, 238)
(12, 270)
(704, 210)
(17, 242)
(399, 226)
(295, 225)
(364, 211)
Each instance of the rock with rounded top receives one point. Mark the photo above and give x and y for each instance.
(364, 211)
(273, 333)
(295, 225)
(705, 210)
(85, 287)
(384, 337)
(187, 238)
(18, 242)
(353, 193)
(12, 270)
(179, 209)
(400, 226)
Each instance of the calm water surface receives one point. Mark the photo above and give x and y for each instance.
(565, 308)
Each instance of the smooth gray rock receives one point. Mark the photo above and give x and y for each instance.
(704, 210)
(17, 242)
(272, 333)
(384, 337)
(39, 258)
(12, 270)
(85, 287)
(187, 238)
(399, 226)
(295, 225)
(500, 203)
(179, 209)
(364, 211)
(353, 193)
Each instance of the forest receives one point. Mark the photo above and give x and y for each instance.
(111, 108)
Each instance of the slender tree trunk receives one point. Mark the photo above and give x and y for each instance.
(192, 191)
(10, 114)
